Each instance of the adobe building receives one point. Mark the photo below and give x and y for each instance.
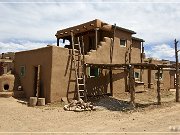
(167, 75)
(54, 66)
(6, 78)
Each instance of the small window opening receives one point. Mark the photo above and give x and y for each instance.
(93, 72)
(22, 71)
(122, 42)
(136, 75)
(6, 87)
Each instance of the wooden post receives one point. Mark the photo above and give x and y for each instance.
(142, 52)
(158, 88)
(177, 71)
(96, 37)
(111, 56)
(57, 41)
(130, 51)
(38, 81)
(85, 90)
(111, 82)
(132, 84)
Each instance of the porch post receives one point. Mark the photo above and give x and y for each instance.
(57, 41)
(132, 84)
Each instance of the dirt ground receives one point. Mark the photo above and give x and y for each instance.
(114, 116)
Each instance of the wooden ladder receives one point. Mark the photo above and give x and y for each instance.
(78, 60)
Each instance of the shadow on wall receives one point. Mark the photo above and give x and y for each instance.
(70, 87)
(98, 85)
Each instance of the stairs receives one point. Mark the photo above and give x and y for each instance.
(78, 61)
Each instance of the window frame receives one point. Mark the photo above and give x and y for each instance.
(125, 40)
(89, 72)
(135, 75)
(24, 70)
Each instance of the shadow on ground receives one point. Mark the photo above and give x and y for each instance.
(114, 104)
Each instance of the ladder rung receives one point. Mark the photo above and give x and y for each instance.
(81, 90)
(81, 84)
(81, 96)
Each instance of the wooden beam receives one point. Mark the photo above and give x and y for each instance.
(158, 88)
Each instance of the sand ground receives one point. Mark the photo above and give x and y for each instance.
(16, 118)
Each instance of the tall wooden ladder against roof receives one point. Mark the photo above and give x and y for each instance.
(78, 60)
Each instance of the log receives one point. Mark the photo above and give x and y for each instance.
(41, 101)
(32, 101)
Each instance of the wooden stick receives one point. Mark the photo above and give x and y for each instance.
(38, 81)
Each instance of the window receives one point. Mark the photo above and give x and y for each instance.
(160, 76)
(93, 72)
(123, 42)
(136, 75)
(22, 71)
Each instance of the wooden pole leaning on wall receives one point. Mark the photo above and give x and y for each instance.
(111, 57)
(38, 81)
(96, 37)
(158, 88)
(132, 84)
(177, 71)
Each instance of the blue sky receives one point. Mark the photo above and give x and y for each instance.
(31, 24)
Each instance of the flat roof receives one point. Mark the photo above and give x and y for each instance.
(91, 25)
(138, 39)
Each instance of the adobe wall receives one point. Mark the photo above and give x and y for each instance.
(63, 81)
(120, 82)
(120, 56)
(98, 85)
(136, 51)
(30, 59)
(167, 80)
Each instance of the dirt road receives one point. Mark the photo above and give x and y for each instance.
(17, 117)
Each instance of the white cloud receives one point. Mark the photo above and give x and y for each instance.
(21, 46)
(161, 51)
(154, 22)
